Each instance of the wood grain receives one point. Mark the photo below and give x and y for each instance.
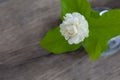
(23, 23)
(66, 67)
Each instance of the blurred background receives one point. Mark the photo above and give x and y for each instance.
(106, 3)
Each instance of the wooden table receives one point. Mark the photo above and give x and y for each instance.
(23, 23)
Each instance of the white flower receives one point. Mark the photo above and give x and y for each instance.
(74, 28)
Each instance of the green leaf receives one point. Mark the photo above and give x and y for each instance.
(81, 6)
(54, 42)
(94, 14)
(102, 29)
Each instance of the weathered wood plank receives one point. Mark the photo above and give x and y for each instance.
(66, 67)
(22, 24)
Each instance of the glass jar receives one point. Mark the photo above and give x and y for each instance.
(114, 43)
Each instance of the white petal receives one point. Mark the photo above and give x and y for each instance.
(74, 28)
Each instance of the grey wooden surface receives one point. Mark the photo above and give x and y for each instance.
(23, 23)
(65, 67)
